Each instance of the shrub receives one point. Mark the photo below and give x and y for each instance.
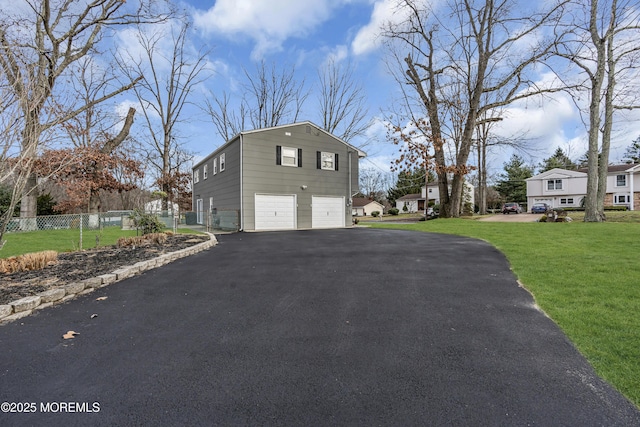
(148, 223)
(404, 208)
(375, 214)
(26, 262)
(157, 238)
(615, 208)
(394, 211)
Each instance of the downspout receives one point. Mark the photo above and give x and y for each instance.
(631, 190)
(349, 153)
(241, 225)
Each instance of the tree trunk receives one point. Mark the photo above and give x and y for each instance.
(95, 205)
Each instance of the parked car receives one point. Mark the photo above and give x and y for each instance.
(540, 208)
(507, 208)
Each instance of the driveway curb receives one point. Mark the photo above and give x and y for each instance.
(28, 305)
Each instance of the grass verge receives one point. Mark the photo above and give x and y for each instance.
(586, 277)
(64, 240)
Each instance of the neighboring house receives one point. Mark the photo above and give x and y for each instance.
(363, 206)
(430, 195)
(566, 188)
(155, 207)
(413, 202)
(281, 178)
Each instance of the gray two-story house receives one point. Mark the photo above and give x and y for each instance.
(287, 177)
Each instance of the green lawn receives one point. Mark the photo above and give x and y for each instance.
(63, 240)
(586, 277)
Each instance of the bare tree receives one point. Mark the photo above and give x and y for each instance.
(270, 97)
(169, 79)
(477, 50)
(606, 47)
(228, 122)
(93, 128)
(274, 97)
(37, 47)
(374, 183)
(342, 102)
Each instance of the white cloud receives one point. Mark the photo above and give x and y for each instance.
(384, 12)
(337, 54)
(268, 24)
(368, 37)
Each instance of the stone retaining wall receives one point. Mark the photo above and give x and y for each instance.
(25, 306)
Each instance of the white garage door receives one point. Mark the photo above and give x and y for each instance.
(327, 212)
(275, 212)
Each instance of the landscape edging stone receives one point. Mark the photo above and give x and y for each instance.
(27, 305)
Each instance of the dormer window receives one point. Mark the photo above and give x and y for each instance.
(554, 184)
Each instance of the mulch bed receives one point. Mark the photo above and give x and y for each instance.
(75, 266)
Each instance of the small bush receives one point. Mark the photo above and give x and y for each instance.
(404, 208)
(393, 211)
(375, 214)
(615, 208)
(27, 262)
(148, 223)
(145, 239)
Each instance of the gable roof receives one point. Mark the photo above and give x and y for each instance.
(557, 173)
(317, 128)
(359, 202)
(407, 197)
(627, 167)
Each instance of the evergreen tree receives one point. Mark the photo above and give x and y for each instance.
(633, 151)
(558, 160)
(409, 182)
(511, 185)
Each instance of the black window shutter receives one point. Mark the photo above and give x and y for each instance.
(318, 160)
(336, 161)
(299, 157)
(278, 155)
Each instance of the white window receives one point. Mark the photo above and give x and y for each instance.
(328, 161)
(621, 199)
(205, 171)
(210, 204)
(554, 184)
(222, 162)
(215, 166)
(196, 176)
(621, 180)
(568, 201)
(289, 156)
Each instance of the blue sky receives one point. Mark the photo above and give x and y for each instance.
(306, 34)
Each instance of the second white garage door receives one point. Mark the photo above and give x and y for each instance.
(327, 212)
(275, 212)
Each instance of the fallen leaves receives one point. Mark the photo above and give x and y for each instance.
(69, 335)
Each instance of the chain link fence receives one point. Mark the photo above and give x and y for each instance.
(70, 221)
(221, 220)
(215, 220)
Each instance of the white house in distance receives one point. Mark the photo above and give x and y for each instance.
(363, 206)
(565, 188)
(430, 194)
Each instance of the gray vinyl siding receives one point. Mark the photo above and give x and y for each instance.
(263, 176)
(224, 186)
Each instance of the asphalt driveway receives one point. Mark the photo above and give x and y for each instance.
(336, 327)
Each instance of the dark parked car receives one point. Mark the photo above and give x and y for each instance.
(507, 208)
(540, 208)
